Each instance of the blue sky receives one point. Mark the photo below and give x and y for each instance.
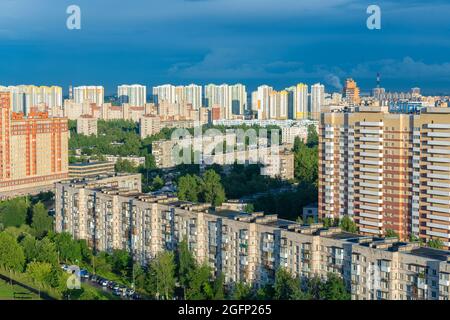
(276, 42)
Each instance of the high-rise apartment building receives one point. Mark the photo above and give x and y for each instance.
(135, 95)
(261, 101)
(92, 94)
(232, 99)
(301, 102)
(351, 92)
(33, 150)
(26, 97)
(164, 93)
(278, 105)
(317, 100)
(387, 171)
(191, 94)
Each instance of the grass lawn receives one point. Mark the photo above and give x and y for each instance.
(15, 292)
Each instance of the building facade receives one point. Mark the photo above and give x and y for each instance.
(135, 95)
(91, 94)
(33, 150)
(87, 125)
(387, 171)
(112, 214)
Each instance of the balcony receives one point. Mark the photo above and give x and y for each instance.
(439, 151)
(438, 184)
(371, 146)
(371, 154)
(371, 223)
(439, 201)
(438, 176)
(372, 193)
(438, 159)
(438, 143)
(373, 178)
(438, 126)
(438, 234)
(371, 162)
(371, 208)
(438, 209)
(438, 168)
(371, 139)
(371, 200)
(438, 226)
(440, 218)
(370, 215)
(371, 131)
(372, 231)
(371, 185)
(439, 134)
(438, 192)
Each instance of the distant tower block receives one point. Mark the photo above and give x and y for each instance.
(70, 92)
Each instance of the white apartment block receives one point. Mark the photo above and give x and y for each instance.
(25, 97)
(134, 95)
(91, 94)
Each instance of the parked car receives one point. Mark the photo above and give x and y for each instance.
(117, 293)
(84, 274)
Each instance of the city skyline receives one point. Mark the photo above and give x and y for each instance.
(262, 42)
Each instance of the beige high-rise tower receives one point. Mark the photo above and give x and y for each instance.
(387, 171)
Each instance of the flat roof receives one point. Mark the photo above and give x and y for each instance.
(87, 164)
(430, 253)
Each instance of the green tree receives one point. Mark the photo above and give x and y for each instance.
(200, 284)
(249, 208)
(86, 252)
(125, 166)
(242, 291)
(121, 262)
(13, 213)
(186, 263)
(163, 270)
(189, 188)
(11, 253)
(391, 234)
(313, 136)
(435, 243)
(157, 183)
(334, 289)
(41, 221)
(138, 276)
(213, 191)
(286, 287)
(347, 224)
(69, 249)
(40, 271)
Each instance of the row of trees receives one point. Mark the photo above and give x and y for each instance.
(178, 274)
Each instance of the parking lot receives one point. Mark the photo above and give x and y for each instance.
(112, 287)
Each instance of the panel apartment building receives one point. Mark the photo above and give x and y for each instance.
(113, 214)
(33, 150)
(387, 171)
